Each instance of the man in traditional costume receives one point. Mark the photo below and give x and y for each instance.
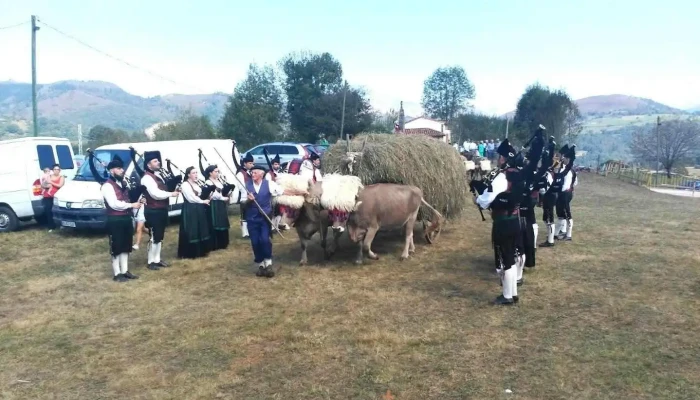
(156, 212)
(262, 191)
(568, 181)
(120, 227)
(244, 177)
(548, 194)
(503, 196)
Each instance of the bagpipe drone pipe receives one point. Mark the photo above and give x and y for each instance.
(135, 190)
(206, 190)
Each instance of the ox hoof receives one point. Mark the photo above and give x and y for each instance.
(358, 262)
(302, 262)
(373, 257)
(402, 258)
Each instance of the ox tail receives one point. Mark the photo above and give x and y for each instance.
(425, 203)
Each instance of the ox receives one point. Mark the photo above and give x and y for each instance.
(389, 206)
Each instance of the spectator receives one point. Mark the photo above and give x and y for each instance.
(481, 149)
(490, 148)
(55, 181)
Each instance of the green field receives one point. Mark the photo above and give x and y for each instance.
(612, 315)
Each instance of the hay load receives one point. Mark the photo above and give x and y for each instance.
(433, 166)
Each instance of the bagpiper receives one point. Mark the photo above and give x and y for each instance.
(503, 196)
(568, 181)
(156, 212)
(244, 176)
(548, 192)
(311, 168)
(120, 227)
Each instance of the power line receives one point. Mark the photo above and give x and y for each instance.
(14, 26)
(117, 58)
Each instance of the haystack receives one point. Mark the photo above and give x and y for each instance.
(433, 166)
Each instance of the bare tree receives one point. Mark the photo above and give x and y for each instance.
(673, 144)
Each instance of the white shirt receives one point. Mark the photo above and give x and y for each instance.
(498, 185)
(567, 181)
(308, 171)
(152, 188)
(275, 190)
(550, 180)
(191, 192)
(110, 197)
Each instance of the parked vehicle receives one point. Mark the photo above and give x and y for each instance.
(21, 165)
(287, 151)
(79, 203)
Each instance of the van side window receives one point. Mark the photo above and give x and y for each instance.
(45, 153)
(65, 160)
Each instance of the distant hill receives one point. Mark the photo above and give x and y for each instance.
(619, 105)
(95, 102)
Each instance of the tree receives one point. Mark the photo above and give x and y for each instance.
(328, 110)
(474, 126)
(188, 126)
(446, 92)
(384, 122)
(672, 143)
(309, 80)
(100, 135)
(554, 109)
(255, 111)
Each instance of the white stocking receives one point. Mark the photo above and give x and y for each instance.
(535, 230)
(124, 262)
(510, 287)
(156, 252)
(568, 231)
(115, 265)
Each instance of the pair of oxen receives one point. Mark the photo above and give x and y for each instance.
(342, 203)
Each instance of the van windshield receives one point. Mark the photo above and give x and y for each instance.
(105, 156)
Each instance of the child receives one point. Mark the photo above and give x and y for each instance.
(140, 222)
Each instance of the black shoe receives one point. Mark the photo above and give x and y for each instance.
(502, 301)
(163, 264)
(120, 278)
(566, 239)
(153, 266)
(261, 271)
(520, 282)
(129, 275)
(515, 299)
(269, 272)
(547, 244)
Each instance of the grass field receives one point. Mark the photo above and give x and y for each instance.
(615, 314)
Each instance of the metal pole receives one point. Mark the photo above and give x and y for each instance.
(507, 123)
(34, 108)
(342, 116)
(658, 145)
(80, 139)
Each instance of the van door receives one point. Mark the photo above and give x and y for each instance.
(15, 189)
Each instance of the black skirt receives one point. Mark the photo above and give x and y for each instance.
(120, 230)
(194, 238)
(156, 222)
(219, 223)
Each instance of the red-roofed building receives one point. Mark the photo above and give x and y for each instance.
(429, 127)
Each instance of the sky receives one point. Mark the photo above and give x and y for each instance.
(639, 48)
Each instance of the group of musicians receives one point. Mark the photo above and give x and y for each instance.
(204, 222)
(512, 192)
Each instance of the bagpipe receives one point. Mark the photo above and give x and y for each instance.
(206, 190)
(227, 187)
(536, 144)
(135, 191)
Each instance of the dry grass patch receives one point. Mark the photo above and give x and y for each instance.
(610, 315)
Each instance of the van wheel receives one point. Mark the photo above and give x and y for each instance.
(8, 219)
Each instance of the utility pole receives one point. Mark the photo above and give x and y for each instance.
(507, 123)
(658, 145)
(80, 139)
(342, 116)
(34, 111)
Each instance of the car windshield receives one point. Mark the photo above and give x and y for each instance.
(103, 156)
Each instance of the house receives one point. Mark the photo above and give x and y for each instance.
(429, 127)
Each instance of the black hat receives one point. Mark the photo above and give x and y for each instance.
(564, 151)
(115, 163)
(314, 156)
(571, 154)
(506, 150)
(150, 155)
(209, 170)
(258, 167)
(248, 158)
(276, 159)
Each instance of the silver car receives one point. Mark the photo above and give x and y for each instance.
(287, 151)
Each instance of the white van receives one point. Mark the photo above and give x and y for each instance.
(21, 164)
(79, 203)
